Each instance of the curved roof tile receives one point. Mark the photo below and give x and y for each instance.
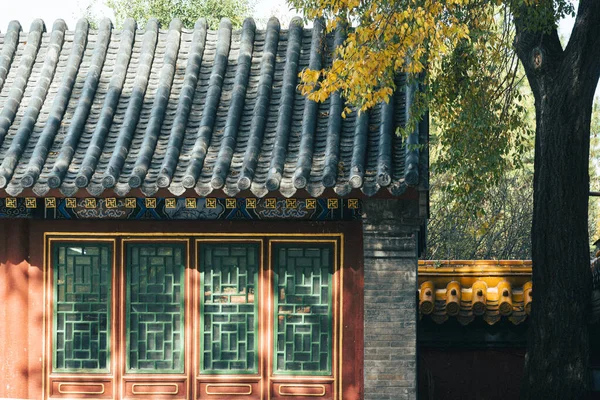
(176, 108)
(490, 289)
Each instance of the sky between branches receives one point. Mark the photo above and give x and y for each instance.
(25, 11)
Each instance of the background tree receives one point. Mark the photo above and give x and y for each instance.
(188, 11)
(500, 227)
(482, 204)
(417, 35)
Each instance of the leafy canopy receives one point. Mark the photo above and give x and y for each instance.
(462, 53)
(188, 11)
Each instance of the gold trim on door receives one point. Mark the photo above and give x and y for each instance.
(155, 385)
(299, 385)
(60, 385)
(228, 385)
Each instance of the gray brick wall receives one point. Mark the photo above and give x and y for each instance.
(390, 230)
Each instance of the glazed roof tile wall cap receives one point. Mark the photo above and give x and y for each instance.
(489, 289)
(189, 109)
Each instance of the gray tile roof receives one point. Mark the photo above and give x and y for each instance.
(106, 110)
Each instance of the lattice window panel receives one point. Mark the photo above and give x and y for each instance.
(155, 307)
(229, 308)
(82, 294)
(303, 309)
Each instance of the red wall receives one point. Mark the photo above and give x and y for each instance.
(22, 294)
(21, 313)
(488, 374)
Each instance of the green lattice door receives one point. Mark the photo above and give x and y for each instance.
(155, 308)
(303, 309)
(229, 308)
(81, 314)
(255, 320)
(303, 321)
(291, 292)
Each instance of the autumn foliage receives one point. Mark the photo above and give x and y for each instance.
(461, 53)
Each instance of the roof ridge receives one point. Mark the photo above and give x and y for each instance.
(411, 169)
(284, 120)
(115, 87)
(134, 106)
(334, 125)
(236, 108)
(384, 154)
(165, 82)
(309, 120)
(7, 115)
(82, 111)
(59, 105)
(184, 105)
(11, 39)
(359, 152)
(210, 107)
(259, 118)
(19, 142)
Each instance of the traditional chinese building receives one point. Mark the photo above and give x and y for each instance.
(178, 222)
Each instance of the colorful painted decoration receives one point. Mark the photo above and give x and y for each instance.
(157, 208)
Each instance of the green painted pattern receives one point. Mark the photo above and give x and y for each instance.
(303, 304)
(81, 316)
(155, 307)
(229, 308)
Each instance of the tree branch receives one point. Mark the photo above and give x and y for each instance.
(538, 48)
(582, 55)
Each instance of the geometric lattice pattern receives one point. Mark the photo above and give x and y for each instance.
(303, 303)
(82, 293)
(229, 273)
(155, 307)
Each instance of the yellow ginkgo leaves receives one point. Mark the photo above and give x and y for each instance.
(381, 38)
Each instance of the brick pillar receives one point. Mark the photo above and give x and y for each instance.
(390, 231)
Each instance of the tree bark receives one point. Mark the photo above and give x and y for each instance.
(558, 343)
(563, 83)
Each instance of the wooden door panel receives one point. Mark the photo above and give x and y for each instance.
(155, 389)
(155, 294)
(301, 390)
(229, 321)
(228, 390)
(257, 319)
(154, 345)
(303, 304)
(81, 388)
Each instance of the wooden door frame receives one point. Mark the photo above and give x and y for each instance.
(349, 327)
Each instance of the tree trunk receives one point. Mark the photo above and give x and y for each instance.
(558, 343)
(563, 83)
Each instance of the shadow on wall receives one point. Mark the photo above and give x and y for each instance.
(21, 314)
(482, 374)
